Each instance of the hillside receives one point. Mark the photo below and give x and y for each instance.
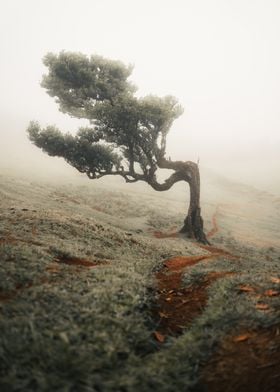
(98, 292)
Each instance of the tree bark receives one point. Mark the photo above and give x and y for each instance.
(189, 172)
(193, 223)
(183, 171)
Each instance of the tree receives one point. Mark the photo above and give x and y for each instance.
(126, 135)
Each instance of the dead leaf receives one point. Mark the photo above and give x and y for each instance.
(53, 268)
(271, 293)
(63, 336)
(262, 306)
(241, 338)
(163, 315)
(246, 288)
(182, 303)
(159, 337)
(275, 280)
(168, 299)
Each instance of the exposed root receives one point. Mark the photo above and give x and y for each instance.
(188, 231)
(194, 230)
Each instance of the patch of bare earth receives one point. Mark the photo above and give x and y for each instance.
(9, 295)
(249, 362)
(52, 268)
(76, 261)
(11, 240)
(215, 227)
(160, 234)
(176, 307)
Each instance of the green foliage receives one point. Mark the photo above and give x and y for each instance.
(76, 80)
(78, 151)
(126, 135)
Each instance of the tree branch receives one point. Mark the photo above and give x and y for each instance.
(125, 174)
(188, 167)
(169, 182)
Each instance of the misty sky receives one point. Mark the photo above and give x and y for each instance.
(220, 58)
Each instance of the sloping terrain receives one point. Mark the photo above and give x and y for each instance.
(99, 293)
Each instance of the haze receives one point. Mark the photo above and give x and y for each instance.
(221, 60)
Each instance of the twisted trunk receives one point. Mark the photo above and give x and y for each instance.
(183, 171)
(189, 172)
(193, 223)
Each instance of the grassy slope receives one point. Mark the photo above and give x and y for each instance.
(73, 328)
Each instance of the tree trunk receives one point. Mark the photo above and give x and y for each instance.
(193, 223)
(189, 172)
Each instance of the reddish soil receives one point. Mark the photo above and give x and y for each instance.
(176, 307)
(215, 227)
(99, 209)
(9, 295)
(174, 234)
(53, 268)
(160, 234)
(217, 251)
(180, 262)
(249, 362)
(69, 260)
(9, 239)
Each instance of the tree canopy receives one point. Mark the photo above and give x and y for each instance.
(126, 134)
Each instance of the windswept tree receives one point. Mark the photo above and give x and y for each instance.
(126, 135)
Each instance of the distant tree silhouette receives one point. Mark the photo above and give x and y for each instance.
(126, 135)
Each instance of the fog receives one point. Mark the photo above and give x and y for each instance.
(220, 58)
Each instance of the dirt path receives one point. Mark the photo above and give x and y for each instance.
(249, 362)
(177, 307)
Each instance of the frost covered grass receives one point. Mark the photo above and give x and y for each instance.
(71, 327)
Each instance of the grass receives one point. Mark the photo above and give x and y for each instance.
(75, 328)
